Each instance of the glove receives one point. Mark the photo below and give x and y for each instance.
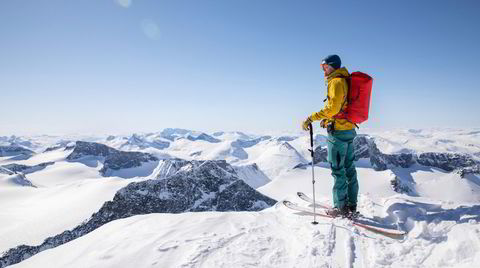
(324, 123)
(306, 124)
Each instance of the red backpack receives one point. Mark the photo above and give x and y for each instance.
(359, 92)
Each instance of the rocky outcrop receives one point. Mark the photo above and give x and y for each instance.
(58, 145)
(123, 160)
(195, 186)
(320, 155)
(445, 161)
(365, 147)
(17, 141)
(27, 169)
(83, 148)
(113, 158)
(141, 143)
(172, 134)
(203, 137)
(6, 171)
(169, 167)
(19, 179)
(469, 170)
(362, 145)
(401, 186)
(241, 143)
(286, 138)
(15, 150)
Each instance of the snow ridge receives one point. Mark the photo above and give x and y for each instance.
(202, 186)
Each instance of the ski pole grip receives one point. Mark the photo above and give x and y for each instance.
(311, 134)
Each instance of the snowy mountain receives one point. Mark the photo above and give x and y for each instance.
(25, 169)
(424, 182)
(366, 147)
(141, 142)
(114, 161)
(15, 151)
(196, 186)
(252, 175)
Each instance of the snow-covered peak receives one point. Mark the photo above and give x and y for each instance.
(208, 186)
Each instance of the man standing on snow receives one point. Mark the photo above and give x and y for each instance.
(341, 133)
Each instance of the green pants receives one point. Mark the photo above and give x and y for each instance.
(341, 156)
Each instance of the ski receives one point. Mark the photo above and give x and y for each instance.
(375, 229)
(306, 198)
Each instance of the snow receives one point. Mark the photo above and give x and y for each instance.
(441, 214)
(211, 239)
(428, 140)
(66, 194)
(252, 175)
(275, 237)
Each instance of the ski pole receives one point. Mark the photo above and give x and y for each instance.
(313, 173)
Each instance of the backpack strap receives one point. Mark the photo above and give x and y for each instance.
(341, 114)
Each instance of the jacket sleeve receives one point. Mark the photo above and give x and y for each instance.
(336, 95)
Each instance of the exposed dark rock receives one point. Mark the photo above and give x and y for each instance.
(84, 148)
(20, 179)
(218, 133)
(249, 143)
(27, 169)
(469, 170)
(52, 148)
(286, 138)
(14, 150)
(169, 167)
(6, 171)
(362, 147)
(58, 145)
(123, 160)
(113, 159)
(196, 186)
(18, 141)
(159, 144)
(174, 133)
(365, 147)
(402, 187)
(141, 143)
(381, 161)
(197, 153)
(445, 161)
(203, 137)
(69, 147)
(320, 155)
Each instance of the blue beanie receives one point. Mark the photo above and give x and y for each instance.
(333, 60)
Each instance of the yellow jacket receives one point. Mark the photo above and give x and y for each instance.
(337, 90)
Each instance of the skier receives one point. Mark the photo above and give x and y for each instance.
(341, 133)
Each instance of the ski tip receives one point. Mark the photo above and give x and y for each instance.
(299, 193)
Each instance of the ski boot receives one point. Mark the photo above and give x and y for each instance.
(352, 212)
(337, 212)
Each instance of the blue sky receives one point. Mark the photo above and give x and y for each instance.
(133, 66)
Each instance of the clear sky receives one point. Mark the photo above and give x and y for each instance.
(251, 65)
